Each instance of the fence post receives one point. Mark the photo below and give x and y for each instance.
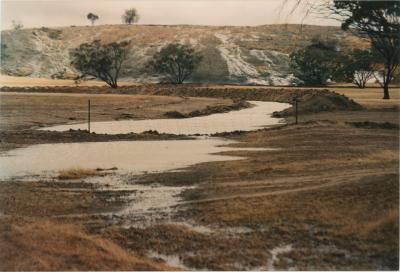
(297, 111)
(89, 115)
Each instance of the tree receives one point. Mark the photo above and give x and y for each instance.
(92, 17)
(102, 61)
(380, 22)
(176, 62)
(359, 67)
(130, 16)
(3, 54)
(317, 63)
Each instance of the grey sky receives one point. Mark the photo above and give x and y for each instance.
(34, 13)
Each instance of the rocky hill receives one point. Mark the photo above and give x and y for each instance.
(247, 55)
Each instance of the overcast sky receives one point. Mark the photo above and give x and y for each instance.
(34, 13)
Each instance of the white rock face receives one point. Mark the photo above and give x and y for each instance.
(245, 55)
(240, 68)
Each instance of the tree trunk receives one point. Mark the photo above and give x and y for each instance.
(386, 81)
(386, 90)
(113, 85)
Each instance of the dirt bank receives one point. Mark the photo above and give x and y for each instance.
(209, 110)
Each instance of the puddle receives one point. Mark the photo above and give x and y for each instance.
(171, 260)
(152, 199)
(153, 202)
(134, 157)
(275, 252)
(246, 119)
(195, 227)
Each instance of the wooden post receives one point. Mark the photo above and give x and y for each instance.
(89, 115)
(297, 112)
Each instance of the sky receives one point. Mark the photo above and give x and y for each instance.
(51, 13)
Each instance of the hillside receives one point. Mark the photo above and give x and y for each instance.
(248, 55)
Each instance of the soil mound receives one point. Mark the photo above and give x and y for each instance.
(313, 101)
(209, 110)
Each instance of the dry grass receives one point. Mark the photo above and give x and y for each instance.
(46, 82)
(77, 173)
(197, 250)
(371, 97)
(356, 215)
(350, 224)
(46, 245)
(47, 199)
(382, 221)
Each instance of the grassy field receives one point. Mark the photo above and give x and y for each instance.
(372, 97)
(326, 198)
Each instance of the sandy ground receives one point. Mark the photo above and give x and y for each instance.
(326, 199)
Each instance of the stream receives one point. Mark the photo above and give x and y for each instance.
(253, 118)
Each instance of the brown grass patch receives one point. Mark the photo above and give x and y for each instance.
(46, 245)
(77, 173)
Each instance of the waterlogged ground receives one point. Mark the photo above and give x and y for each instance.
(253, 118)
(123, 200)
(324, 197)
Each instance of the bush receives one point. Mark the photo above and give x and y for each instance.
(55, 34)
(317, 63)
(176, 62)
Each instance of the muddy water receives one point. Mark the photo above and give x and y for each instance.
(134, 157)
(247, 119)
